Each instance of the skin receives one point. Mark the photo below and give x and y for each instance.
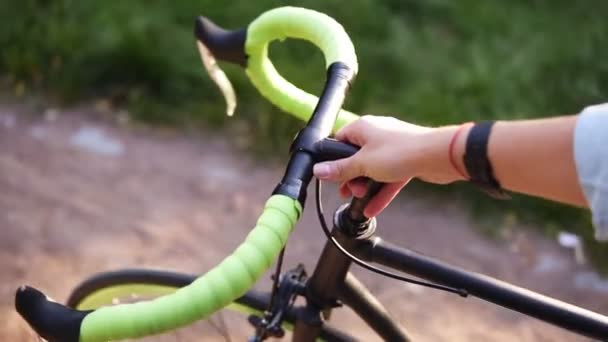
(534, 157)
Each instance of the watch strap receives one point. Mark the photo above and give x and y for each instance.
(477, 163)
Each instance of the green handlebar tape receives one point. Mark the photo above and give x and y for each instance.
(210, 292)
(299, 23)
(239, 271)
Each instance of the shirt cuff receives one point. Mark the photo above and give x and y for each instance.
(591, 159)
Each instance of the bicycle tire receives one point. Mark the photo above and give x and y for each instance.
(101, 289)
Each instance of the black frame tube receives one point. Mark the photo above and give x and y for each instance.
(322, 289)
(357, 297)
(331, 281)
(564, 315)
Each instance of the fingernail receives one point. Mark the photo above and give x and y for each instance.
(358, 192)
(322, 170)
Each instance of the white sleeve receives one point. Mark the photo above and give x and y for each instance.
(591, 158)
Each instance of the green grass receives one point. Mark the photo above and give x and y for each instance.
(432, 62)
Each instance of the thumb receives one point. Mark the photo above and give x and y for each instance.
(340, 170)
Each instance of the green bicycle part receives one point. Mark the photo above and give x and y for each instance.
(299, 23)
(105, 297)
(208, 293)
(239, 271)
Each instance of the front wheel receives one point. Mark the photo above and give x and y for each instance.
(127, 286)
(228, 324)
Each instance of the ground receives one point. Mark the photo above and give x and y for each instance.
(81, 193)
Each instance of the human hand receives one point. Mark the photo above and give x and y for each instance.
(393, 152)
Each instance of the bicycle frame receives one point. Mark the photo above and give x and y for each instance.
(331, 281)
(331, 284)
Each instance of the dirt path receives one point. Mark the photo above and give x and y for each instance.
(79, 195)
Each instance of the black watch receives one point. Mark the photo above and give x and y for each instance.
(477, 163)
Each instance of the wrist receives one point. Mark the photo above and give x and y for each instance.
(457, 150)
(446, 150)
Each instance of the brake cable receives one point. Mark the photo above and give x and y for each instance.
(261, 331)
(366, 265)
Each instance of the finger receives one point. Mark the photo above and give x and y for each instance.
(339, 170)
(358, 186)
(345, 190)
(383, 198)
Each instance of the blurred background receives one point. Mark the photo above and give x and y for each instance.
(128, 74)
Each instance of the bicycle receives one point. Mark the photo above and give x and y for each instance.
(90, 315)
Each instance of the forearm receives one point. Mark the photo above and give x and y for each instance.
(534, 157)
